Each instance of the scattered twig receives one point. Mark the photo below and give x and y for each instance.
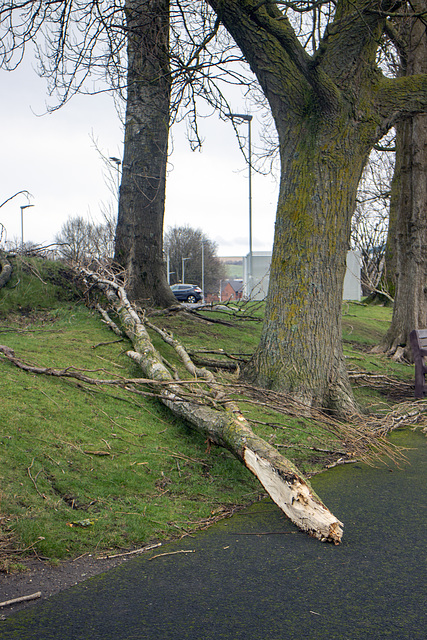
(171, 553)
(103, 344)
(97, 453)
(49, 398)
(33, 480)
(34, 271)
(380, 381)
(318, 449)
(32, 596)
(215, 364)
(130, 553)
(71, 372)
(183, 457)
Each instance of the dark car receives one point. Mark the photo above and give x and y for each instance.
(187, 292)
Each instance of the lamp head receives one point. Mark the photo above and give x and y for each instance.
(240, 116)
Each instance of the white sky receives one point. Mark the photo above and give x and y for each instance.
(53, 157)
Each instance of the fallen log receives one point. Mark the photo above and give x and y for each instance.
(225, 426)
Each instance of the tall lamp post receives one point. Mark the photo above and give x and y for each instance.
(118, 163)
(183, 268)
(203, 269)
(168, 266)
(245, 117)
(24, 206)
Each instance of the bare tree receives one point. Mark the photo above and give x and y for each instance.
(192, 250)
(369, 226)
(331, 104)
(81, 241)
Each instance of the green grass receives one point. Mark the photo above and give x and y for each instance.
(95, 468)
(234, 270)
(363, 327)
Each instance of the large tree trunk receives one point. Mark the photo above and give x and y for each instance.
(390, 268)
(409, 212)
(301, 348)
(139, 234)
(329, 109)
(323, 151)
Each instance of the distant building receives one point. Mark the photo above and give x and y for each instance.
(257, 288)
(231, 289)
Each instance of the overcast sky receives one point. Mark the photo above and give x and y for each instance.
(53, 157)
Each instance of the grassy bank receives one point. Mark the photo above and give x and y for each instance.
(96, 468)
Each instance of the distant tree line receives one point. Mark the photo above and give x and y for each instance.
(188, 251)
(81, 241)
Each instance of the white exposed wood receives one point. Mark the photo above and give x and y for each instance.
(32, 596)
(296, 500)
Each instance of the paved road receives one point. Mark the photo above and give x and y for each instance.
(253, 577)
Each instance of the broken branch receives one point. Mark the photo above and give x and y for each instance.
(32, 596)
(227, 427)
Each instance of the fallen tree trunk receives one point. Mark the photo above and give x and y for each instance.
(225, 426)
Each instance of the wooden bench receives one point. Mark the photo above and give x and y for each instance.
(418, 339)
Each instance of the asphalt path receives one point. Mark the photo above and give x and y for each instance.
(254, 577)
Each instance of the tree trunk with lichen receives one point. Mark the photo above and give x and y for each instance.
(409, 212)
(329, 109)
(300, 347)
(139, 233)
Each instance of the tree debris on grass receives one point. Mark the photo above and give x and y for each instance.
(221, 420)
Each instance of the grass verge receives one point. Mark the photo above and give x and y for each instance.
(95, 469)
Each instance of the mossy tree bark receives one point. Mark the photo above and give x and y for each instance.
(329, 109)
(408, 231)
(139, 233)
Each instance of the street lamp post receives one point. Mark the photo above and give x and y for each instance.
(24, 206)
(245, 117)
(183, 269)
(203, 269)
(118, 163)
(168, 266)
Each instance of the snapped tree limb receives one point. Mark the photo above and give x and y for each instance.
(225, 425)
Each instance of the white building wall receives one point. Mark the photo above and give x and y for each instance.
(352, 289)
(257, 288)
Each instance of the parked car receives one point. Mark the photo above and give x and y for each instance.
(187, 292)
